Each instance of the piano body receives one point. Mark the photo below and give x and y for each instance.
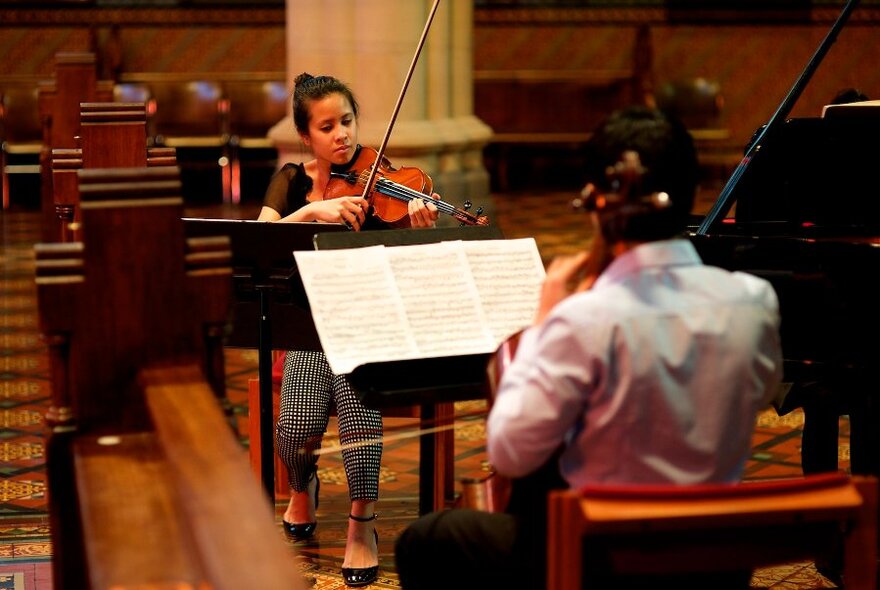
(806, 217)
(803, 211)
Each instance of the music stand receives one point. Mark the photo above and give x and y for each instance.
(267, 289)
(427, 381)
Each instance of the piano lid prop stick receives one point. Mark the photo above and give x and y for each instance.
(724, 202)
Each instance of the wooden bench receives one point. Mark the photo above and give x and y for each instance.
(147, 479)
(698, 103)
(191, 115)
(541, 119)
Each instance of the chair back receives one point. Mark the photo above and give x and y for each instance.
(192, 109)
(131, 92)
(20, 115)
(606, 535)
(254, 107)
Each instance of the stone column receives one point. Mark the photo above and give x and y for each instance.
(370, 46)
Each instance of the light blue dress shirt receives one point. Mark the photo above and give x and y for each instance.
(655, 375)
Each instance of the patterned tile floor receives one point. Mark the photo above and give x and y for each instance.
(25, 551)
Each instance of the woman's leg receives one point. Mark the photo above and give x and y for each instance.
(302, 419)
(361, 545)
(359, 424)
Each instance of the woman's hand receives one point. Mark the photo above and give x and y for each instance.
(350, 210)
(422, 213)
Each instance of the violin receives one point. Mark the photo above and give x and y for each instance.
(392, 189)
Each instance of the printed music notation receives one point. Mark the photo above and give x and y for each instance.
(390, 303)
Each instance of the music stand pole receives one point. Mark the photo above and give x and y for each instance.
(264, 358)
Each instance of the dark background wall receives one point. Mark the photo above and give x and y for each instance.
(754, 50)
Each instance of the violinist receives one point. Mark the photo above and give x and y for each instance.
(642, 366)
(325, 114)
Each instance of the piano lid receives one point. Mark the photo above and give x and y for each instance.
(815, 173)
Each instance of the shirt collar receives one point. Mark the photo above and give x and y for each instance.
(662, 253)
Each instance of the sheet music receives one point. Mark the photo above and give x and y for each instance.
(865, 108)
(440, 299)
(378, 303)
(356, 307)
(508, 275)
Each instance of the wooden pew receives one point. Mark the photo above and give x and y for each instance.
(527, 135)
(21, 135)
(541, 118)
(147, 481)
(112, 135)
(75, 81)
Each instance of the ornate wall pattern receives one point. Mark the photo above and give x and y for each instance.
(755, 62)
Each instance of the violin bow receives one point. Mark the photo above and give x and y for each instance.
(412, 67)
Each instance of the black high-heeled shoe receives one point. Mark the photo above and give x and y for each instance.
(304, 530)
(362, 576)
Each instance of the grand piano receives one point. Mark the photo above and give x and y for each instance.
(803, 211)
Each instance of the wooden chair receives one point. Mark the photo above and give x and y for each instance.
(604, 535)
(254, 108)
(192, 117)
(282, 491)
(697, 102)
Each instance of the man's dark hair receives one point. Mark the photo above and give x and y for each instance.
(666, 153)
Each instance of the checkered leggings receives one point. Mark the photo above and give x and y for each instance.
(308, 390)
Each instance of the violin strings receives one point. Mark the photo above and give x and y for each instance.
(406, 194)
